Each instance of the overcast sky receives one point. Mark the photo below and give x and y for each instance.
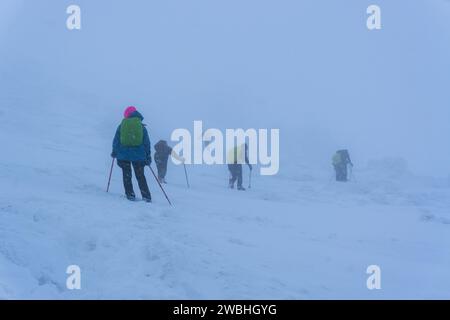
(310, 68)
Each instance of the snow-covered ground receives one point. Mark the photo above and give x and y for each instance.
(298, 235)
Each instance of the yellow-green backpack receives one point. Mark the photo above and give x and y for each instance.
(131, 132)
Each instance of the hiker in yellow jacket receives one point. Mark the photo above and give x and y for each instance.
(235, 158)
(341, 161)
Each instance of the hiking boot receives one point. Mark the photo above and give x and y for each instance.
(241, 188)
(148, 200)
(131, 198)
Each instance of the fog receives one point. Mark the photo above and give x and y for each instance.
(310, 68)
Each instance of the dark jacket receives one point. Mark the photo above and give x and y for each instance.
(139, 153)
(163, 151)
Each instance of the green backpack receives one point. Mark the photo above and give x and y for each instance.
(131, 132)
(337, 159)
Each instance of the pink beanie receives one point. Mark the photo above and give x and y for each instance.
(129, 111)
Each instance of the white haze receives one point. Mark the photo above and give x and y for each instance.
(310, 68)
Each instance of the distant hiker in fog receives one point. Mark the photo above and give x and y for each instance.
(236, 157)
(163, 151)
(131, 147)
(341, 161)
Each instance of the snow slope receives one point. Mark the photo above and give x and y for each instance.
(298, 235)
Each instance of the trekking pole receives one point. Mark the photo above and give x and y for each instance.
(185, 173)
(353, 175)
(159, 183)
(110, 174)
(250, 180)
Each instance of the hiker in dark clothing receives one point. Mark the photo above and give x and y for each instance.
(131, 148)
(162, 153)
(235, 158)
(341, 161)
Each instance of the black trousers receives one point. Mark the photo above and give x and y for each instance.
(236, 174)
(341, 172)
(162, 169)
(138, 167)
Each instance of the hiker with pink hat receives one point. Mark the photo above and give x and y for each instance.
(131, 147)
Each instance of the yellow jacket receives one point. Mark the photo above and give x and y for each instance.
(236, 155)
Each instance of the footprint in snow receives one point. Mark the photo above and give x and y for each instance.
(238, 242)
(90, 245)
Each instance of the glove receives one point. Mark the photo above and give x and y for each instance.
(250, 166)
(113, 155)
(183, 160)
(148, 162)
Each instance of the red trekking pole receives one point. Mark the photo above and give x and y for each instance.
(159, 183)
(110, 174)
